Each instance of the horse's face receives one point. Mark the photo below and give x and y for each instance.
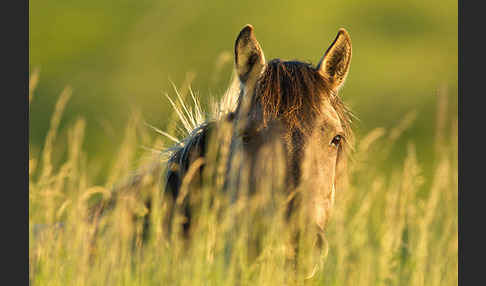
(290, 126)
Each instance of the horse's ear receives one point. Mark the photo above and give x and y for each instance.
(249, 58)
(334, 65)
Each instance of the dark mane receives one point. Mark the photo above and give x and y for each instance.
(294, 91)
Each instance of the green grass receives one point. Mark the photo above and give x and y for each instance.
(390, 226)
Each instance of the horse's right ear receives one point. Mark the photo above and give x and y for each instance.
(249, 58)
(334, 65)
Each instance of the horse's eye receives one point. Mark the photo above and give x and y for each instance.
(336, 141)
(245, 137)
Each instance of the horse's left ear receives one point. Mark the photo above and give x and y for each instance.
(249, 58)
(334, 65)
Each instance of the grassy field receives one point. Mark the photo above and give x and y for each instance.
(396, 221)
(390, 226)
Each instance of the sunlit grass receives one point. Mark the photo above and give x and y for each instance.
(387, 228)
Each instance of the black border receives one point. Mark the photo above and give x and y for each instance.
(471, 114)
(14, 24)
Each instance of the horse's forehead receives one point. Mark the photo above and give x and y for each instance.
(330, 116)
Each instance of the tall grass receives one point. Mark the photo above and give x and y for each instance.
(392, 227)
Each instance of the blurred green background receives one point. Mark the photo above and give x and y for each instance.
(118, 56)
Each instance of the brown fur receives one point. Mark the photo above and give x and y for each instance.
(289, 110)
(293, 91)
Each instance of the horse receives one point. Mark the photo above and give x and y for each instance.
(288, 119)
(287, 132)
